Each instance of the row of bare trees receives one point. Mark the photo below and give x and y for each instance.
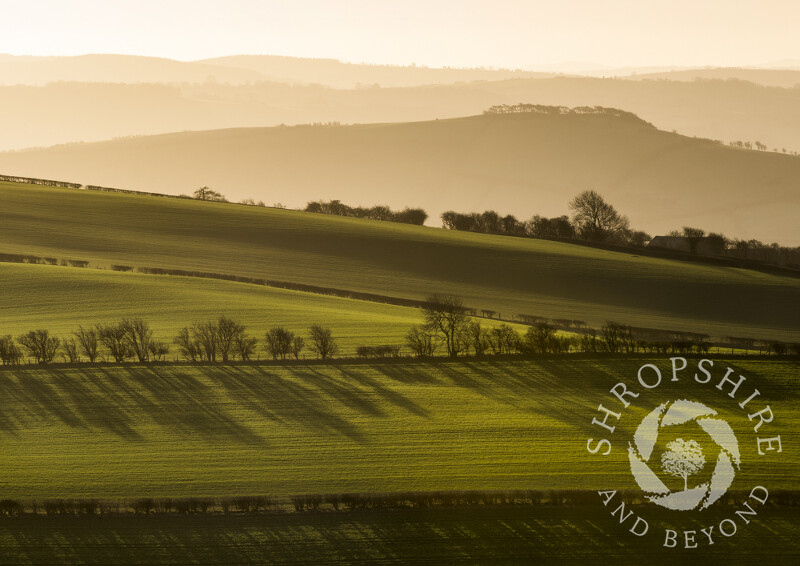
(447, 328)
(222, 339)
(446, 324)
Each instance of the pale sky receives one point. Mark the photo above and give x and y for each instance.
(505, 33)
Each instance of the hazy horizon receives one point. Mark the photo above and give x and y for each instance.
(614, 34)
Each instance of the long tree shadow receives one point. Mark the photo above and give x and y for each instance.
(381, 390)
(282, 400)
(180, 402)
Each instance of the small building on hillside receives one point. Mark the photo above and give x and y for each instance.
(710, 246)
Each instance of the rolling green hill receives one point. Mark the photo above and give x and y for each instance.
(62, 298)
(208, 430)
(525, 164)
(507, 275)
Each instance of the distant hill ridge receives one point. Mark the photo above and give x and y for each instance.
(520, 163)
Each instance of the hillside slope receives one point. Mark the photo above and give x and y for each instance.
(523, 164)
(507, 275)
(786, 78)
(79, 111)
(338, 74)
(236, 69)
(62, 298)
(106, 68)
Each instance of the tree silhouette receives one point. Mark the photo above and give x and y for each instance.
(204, 193)
(693, 236)
(322, 342)
(446, 314)
(682, 459)
(88, 342)
(595, 218)
(41, 346)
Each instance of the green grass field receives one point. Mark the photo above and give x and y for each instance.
(63, 298)
(508, 275)
(182, 430)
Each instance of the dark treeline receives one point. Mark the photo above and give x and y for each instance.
(593, 219)
(344, 502)
(223, 339)
(523, 108)
(448, 328)
(380, 212)
(697, 242)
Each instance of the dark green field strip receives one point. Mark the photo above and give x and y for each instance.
(492, 535)
(508, 275)
(214, 430)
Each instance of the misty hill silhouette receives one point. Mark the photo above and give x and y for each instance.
(69, 112)
(102, 68)
(238, 69)
(786, 78)
(522, 164)
(337, 74)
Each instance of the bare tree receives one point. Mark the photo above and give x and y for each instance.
(228, 332)
(204, 193)
(113, 338)
(10, 354)
(617, 337)
(40, 345)
(69, 351)
(683, 459)
(158, 350)
(446, 315)
(421, 343)
(594, 218)
(189, 347)
(504, 339)
(206, 335)
(539, 338)
(279, 342)
(87, 340)
(138, 336)
(476, 337)
(322, 342)
(297, 346)
(245, 345)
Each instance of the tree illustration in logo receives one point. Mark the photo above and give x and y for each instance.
(683, 459)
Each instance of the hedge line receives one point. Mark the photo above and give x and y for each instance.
(345, 502)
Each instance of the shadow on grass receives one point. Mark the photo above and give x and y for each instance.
(473, 535)
(222, 402)
(206, 402)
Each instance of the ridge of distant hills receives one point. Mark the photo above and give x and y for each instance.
(235, 70)
(524, 164)
(63, 112)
